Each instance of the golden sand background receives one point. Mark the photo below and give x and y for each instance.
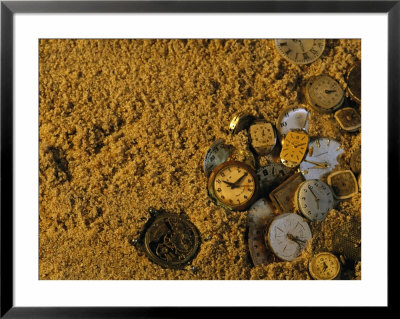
(124, 125)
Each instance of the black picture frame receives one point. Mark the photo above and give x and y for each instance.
(9, 8)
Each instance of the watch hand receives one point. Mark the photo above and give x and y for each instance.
(235, 184)
(325, 266)
(296, 239)
(329, 91)
(320, 164)
(320, 154)
(229, 183)
(299, 145)
(316, 198)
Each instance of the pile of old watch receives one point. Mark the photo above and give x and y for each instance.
(299, 185)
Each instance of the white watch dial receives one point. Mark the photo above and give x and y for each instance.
(324, 93)
(314, 199)
(217, 154)
(288, 236)
(292, 118)
(321, 158)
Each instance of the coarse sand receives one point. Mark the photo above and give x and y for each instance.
(125, 124)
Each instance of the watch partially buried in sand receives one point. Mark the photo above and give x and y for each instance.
(233, 185)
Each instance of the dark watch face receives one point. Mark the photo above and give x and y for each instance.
(171, 240)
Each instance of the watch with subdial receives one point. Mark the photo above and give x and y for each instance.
(324, 94)
(288, 236)
(233, 185)
(300, 51)
(321, 158)
(314, 199)
(294, 148)
(324, 266)
(262, 136)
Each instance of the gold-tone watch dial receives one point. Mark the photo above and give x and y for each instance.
(234, 185)
(263, 137)
(324, 266)
(294, 148)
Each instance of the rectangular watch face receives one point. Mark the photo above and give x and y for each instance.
(283, 195)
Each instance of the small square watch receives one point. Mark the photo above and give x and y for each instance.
(348, 119)
(343, 183)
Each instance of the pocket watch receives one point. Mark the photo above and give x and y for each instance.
(218, 153)
(347, 241)
(300, 51)
(314, 199)
(271, 175)
(240, 121)
(170, 240)
(343, 184)
(259, 217)
(354, 82)
(288, 236)
(283, 195)
(324, 266)
(233, 185)
(294, 147)
(324, 94)
(262, 136)
(321, 158)
(293, 118)
(355, 161)
(348, 119)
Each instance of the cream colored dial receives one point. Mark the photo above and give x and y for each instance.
(293, 118)
(262, 136)
(234, 184)
(324, 93)
(324, 266)
(300, 51)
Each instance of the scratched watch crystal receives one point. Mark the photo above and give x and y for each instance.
(171, 240)
(324, 93)
(314, 199)
(300, 51)
(324, 266)
(321, 158)
(262, 136)
(288, 236)
(218, 153)
(293, 118)
(234, 185)
(294, 147)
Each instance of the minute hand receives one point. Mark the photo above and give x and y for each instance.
(320, 164)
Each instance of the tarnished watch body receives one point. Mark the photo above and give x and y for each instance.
(271, 175)
(170, 240)
(354, 82)
(240, 121)
(233, 185)
(348, 119)
(218, 153)
(343, 183)
(324, 94)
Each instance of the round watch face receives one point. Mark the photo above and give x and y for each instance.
(218, 153)
(294, 147)
(354, 82)
(262, 136)
(288, 236)
(321, 158)
(314, 199)
(324, 93)
(293, 118)
(234, 184)
(300, 51)
(171, 240)
(324, 266)
(271, 175)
